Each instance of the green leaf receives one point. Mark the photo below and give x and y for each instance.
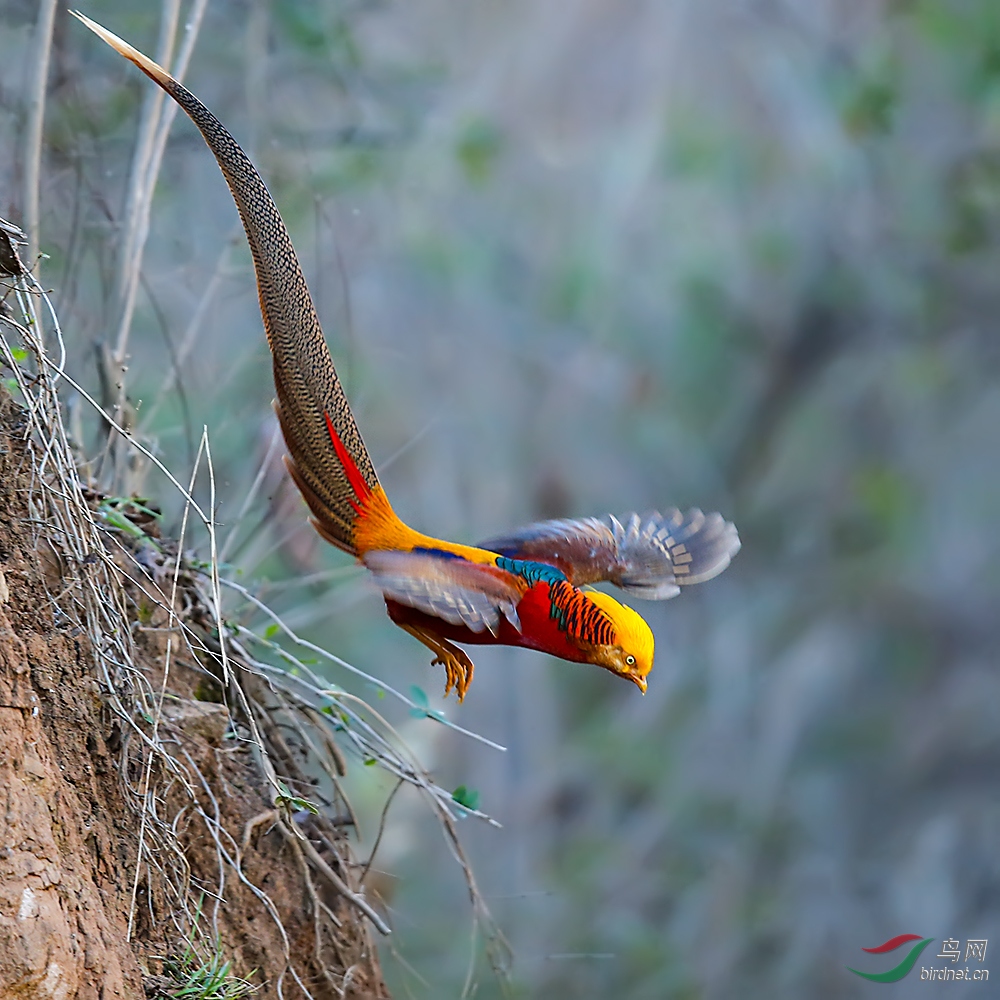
(142, 505)
(422, 706)
(272, 630)
(118, 520)
(468, 797)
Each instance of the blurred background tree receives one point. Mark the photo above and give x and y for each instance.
(580, 257)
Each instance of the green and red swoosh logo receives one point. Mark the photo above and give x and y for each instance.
(897, 973)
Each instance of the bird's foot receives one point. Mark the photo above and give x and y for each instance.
(458, 669)
(457, 665)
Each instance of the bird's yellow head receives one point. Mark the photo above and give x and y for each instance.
(631, 655)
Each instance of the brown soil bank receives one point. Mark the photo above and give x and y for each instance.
(79, 917)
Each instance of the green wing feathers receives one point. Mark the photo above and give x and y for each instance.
(312, 408)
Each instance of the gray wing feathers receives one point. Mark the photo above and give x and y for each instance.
(456, 591)
(650, 555)
(657, 554)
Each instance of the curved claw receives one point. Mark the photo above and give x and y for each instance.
(458, 670)
(457, 665)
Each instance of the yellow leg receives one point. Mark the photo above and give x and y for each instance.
(458, 667)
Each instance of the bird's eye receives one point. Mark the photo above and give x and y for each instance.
(630, 660)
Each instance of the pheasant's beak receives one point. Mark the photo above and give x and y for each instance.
(640, 682)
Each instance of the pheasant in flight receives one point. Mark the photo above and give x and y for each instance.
(524, 589)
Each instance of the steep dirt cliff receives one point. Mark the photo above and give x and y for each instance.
(246, 887)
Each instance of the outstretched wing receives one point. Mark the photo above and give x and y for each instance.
(651, 556)
(449, 588)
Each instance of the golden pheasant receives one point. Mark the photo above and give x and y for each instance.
(524, 589)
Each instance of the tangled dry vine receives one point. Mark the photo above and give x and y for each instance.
(192, 690)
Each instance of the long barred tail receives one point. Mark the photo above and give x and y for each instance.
(329, 461)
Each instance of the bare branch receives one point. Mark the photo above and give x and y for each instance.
(36, 120)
